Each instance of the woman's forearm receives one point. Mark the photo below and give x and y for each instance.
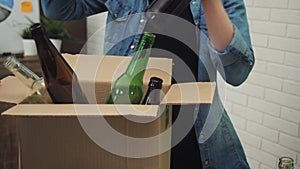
(220, 28)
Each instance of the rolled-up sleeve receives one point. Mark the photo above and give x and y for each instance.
(237, 49)
(237, 60)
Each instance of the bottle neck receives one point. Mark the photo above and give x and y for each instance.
(41, 38)
(138, 63)
(24, 74)
(47, 52)
(44, 39)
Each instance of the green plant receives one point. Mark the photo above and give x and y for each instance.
(54, 29)
(26, 34)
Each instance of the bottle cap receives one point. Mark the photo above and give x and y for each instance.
(156, 81)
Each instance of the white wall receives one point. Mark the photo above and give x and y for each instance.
(266, 109)
(10, 29)
(95, 33)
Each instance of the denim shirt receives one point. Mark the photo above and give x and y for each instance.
(219, 145)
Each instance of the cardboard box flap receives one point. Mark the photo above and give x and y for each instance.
(190, 93)
(97, 72)
(13, 90)
(109, 68)
(82, 110)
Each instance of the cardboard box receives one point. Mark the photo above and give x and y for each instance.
(12, 90)
(67, 136)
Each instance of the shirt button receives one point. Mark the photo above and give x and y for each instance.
(202, 136)
(206, 162)
(247, 53)
(250, 63)
(132, 47)
(142, 20)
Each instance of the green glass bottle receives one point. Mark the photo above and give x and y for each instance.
(128, 88)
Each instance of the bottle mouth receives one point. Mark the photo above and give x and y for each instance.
(286, 161)
(35, 29)
(10, 62)
(156, 81)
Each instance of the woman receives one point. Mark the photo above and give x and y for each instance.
(228, 51)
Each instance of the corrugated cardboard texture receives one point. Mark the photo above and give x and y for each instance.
(60, 142)
(50, 143)
(190, 93)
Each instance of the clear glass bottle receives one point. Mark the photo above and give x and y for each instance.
(29, 79)
(60, 80)
(152, 96)
(128, 88)
(285, 163)
(25, 75)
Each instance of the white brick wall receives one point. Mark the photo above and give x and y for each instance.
(294, 4)
(257, 13)
(276, 149)
(285, 15)
(270, 55)
(266, 109)
(287, 44)
(293, 31)
(261, 156)
(281, 125)
(271, 113)
(262, 131)
(259, 39)
(269, 28)
(265, 80)
(264, 106)
(292, 59)
(271, 3)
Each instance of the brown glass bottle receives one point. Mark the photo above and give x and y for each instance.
(153, 93)
(60, 80)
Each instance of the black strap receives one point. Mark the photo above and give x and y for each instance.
(186, 154)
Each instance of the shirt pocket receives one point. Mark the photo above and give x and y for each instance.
(119, 10)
